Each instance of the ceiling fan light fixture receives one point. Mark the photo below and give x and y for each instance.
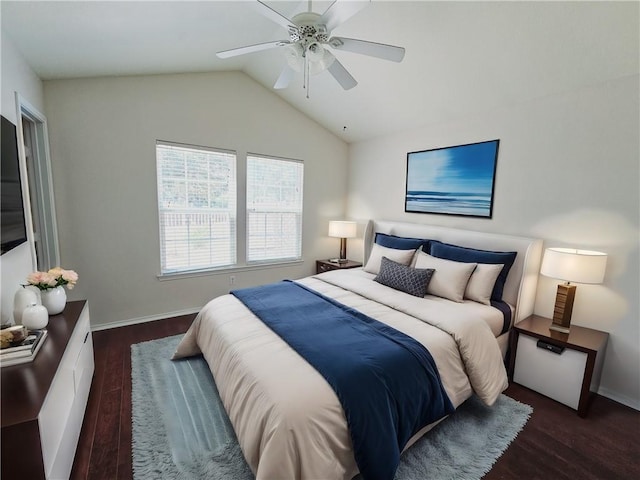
(315, 52)
(295, 56)
(322, 63)
(319, 58)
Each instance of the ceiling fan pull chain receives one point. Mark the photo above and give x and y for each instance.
(305, 74)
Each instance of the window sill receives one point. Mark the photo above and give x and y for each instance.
(226, 270)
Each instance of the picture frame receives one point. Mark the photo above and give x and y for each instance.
(456, 180)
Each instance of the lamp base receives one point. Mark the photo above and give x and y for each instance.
(338, 260)
(343, 250)
(563, 308)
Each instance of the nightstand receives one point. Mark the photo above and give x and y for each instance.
(326, 265)
(562, 366)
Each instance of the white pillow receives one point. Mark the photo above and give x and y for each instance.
(482, 282)
(378, 251)
(449, 279)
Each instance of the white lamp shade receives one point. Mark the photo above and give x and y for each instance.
(580, 266)
(342, 229)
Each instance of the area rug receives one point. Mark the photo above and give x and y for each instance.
(181, 430)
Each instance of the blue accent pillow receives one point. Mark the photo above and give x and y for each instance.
(472, 255)
(401, 243)
(413, 281)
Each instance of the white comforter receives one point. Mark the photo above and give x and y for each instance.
(288, 420)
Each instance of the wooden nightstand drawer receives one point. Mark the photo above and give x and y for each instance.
(558, 376)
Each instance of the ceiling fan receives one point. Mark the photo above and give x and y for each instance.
(308, 48)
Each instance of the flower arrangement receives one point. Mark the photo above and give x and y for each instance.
(55, 277)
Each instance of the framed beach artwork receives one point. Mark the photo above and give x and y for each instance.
(455, 180)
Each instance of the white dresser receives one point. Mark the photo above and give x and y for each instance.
(43, 402)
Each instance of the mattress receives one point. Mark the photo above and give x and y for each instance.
(288, 420)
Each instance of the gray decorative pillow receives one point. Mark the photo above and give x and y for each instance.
(395, 275)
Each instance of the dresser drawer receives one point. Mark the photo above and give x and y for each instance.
(61, 416)
(558, 376)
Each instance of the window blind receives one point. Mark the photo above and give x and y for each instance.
(196, 207)
(274, 209)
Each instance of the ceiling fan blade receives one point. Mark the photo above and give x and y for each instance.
(234, 52)
(343, 77)
(274, 16)
(379, 50)
(341, 11)
(285, 78)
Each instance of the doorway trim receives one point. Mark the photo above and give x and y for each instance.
(36, 170)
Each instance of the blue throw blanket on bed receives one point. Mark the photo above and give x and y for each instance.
(386, 381)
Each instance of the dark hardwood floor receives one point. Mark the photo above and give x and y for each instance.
(555, 444)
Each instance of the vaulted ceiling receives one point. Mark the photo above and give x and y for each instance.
(461, 57)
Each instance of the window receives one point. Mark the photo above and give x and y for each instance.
(196, 207)
(274, 209)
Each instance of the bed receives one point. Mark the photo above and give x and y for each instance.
(289, 421)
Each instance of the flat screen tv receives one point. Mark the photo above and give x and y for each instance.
(14, 231)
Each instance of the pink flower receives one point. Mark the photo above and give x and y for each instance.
(53, 278)
(50, 280)
(35, 278)
(57, 271)
(70, 276)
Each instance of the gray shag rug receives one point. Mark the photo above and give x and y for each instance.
(181, 430)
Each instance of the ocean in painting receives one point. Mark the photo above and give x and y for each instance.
(459, 203)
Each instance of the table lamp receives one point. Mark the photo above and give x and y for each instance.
(570, 265)
(342, 230)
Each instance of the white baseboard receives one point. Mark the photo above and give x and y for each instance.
(616, 397)
(148, 318)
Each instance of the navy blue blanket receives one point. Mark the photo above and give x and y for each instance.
(506, 314)
(386, 381)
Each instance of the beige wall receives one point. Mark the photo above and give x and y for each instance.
(17, 76)
(103, 132)
(567, 172)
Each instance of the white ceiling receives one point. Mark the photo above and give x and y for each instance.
(461, 57)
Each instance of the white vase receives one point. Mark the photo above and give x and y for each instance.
(35, 290)
(22, 299)
(54, 299)
(35, 317)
